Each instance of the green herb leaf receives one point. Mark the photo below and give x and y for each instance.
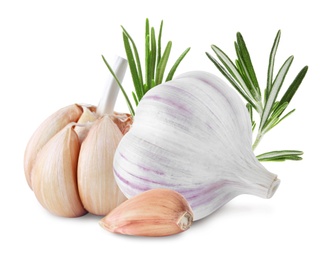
(271, 65)
(175, 66)
(135, 98)
(147, 84)
(244, 56)
(162, 63)
(132, 66)
(120, 85)
(153, 57)
(280, 155)
(159, 42)
(294, 86)
(244, 74)
(136, 53)
(276, 86)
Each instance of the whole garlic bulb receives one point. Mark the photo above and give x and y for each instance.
(69, 158)
(193, 135)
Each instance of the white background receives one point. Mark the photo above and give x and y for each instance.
(50, 56)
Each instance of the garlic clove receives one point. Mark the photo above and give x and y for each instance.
(97, 187)
(51, 126)
(157, 212)
(54, 175)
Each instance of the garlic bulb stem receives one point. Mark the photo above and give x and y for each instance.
(111, 90)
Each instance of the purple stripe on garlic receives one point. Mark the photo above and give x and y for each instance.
(196, 132)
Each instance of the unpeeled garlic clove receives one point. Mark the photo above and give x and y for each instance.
(54, 175)
(157, 212)
(97, 187)
(50, 127)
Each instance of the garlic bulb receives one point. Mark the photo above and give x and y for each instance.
(193, 135)
(158, 212)
(68, 160)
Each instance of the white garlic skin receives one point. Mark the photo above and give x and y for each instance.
(193, 135)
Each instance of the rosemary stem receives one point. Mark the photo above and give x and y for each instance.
(259, 108)
(257, 139)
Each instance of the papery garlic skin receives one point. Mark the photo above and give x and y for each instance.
(85, 121)
(96, 184)
(157, 212)
(54, 175)
(193, 135)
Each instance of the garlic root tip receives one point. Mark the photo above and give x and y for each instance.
(274, 186)
(185, 221)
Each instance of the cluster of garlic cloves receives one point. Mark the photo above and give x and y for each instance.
(68, 160)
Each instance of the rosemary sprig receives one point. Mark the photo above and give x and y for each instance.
(241, 75)
(155, 62)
